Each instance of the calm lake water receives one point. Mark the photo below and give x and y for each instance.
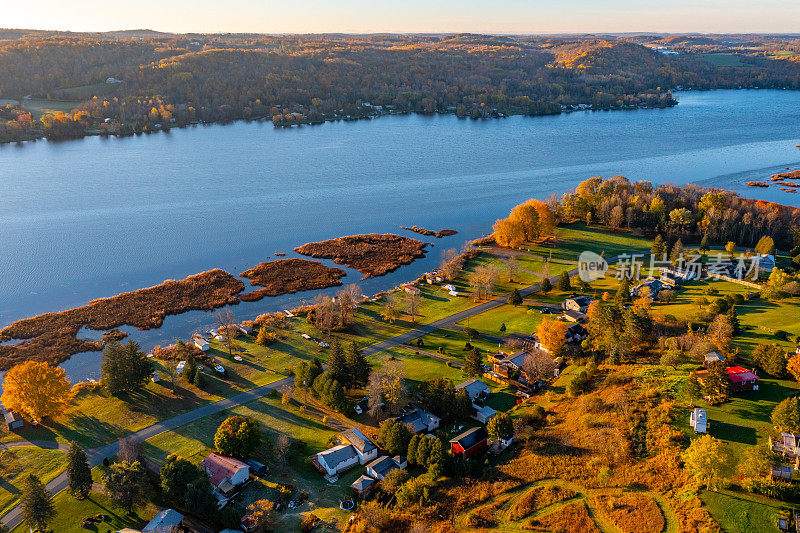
(95, 217)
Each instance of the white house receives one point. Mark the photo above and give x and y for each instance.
(201, 344)
(365, 448)
(697, 419)
(577, 303)
(225, 473)
(419, 420)
(476, 388)
(337, 459)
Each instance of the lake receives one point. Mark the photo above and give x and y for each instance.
(99, 216)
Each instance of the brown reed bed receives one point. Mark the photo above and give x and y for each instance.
(783, 176)
(52, 337)
(757, 184)
(286, 276)
(431, 233)
(371, 254)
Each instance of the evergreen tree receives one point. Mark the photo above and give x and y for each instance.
(337, 364)
(677, 251)
(716, 385)
(658, 248)
(199, 379)
(473, 363)
(500, 427)
(546, 286)
(413, 444)
(503, 327)
(78, 472)
(624, 290)
(563, 283)
(515, 298)
(124, 367)
(126, 484)
(357, 367)
(704, 247)
(733, 320)
(37, 509)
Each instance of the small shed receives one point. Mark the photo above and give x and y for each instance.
(201, 344)
(13, 420)
(363, 485)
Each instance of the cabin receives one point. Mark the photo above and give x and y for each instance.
(470, 444)
(411, 289)
(166, 521)
(363, 486)
(711, 358)
(13, 420)
(225, 473)
(742, 379)
(201, 344)
(245, 329)
(379, 468)
(155, 377)
(365, 448)
(579, 304)
(698, 421)
(419, 420)
(336, 460)
(476, 389)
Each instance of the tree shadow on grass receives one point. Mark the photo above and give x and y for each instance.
(733, 433)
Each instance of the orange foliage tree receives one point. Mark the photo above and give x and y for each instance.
(552, 334)
(37, 390)
(793, 366)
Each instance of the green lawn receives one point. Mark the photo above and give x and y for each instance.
(518, 319)
(738, 512)
(578, 237)
(37, 107)
(70, 511)
(723, 60)
(453, 343)
(194, 441)
(16, 464)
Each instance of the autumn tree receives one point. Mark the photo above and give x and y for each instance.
(126, 484)
(262, 515)
(125, 367)
(448, 267)
(483, 280)
(36, 390)
(390, 311)
(716, 385)
(771, 358)
(709, 461)
(793, 366)
(538, 364)
(386, 389)
(226, 322)
(500, 427)
(237, 436)
(412, 301)
(510, 262)
(765, 245)
(552, 335)
(37, 509)
(473, 363)
(79, 475)
(786, 415)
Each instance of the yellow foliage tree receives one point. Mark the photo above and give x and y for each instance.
(552, 334)
(793, 366)
(36, 390)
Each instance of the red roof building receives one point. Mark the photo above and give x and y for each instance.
(742, 379)
(470, 443)
(225, 473)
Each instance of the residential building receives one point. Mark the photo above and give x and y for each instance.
(336, 460)
(363, 485)
(470, 443)
(201, 344)
(766, 263)
(225, 473)
(166, 521)
(483, 413)
(365, 448)
(698, 421)
(713, 357)
(574, 316)
(576, 333)
(577, 303)
(411, 289)
(419, 420)
(380, 467)
(476, 389)
(742, 379)
(653, 285)
(13, 420)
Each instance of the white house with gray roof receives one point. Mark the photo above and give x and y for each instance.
(365, 448)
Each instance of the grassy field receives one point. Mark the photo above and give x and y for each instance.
(85, 92)
(37, 108)
(16, 464)
(578, 237)
(736, 513)
(70, 512)
(723, 60)
(518, 319)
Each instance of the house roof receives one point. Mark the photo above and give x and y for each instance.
(338, 454)
(358, 440)
(470, 438)
(473, 387)
(738, 374)
(417, 418)
(714, 356)
(515, 359)
(577, 329)
(11, 416)
(575, 315)
(582, 301)
(363, 483)
(221, 467)
(485, 411)
(383, 465)
(164, 522)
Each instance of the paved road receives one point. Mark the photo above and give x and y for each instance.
(96, 455)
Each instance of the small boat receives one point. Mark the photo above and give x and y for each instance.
(237, 358)
(220, 369)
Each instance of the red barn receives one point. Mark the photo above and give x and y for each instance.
(742, 379)
(470, 443)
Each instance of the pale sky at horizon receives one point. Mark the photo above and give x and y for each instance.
(410, 16)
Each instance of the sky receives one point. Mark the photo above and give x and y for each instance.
(410, 16)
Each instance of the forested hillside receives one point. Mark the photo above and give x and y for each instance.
(171, 80)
